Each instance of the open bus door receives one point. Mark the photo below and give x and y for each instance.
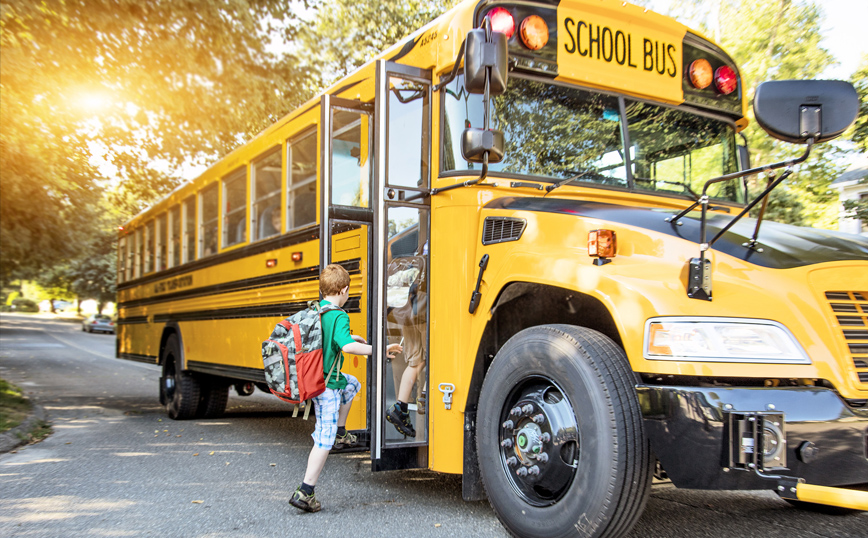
(403, 133)
(347, 217)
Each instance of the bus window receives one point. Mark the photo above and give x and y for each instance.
(161, 247)
(351, 159)
(174, 255)
(208, 221)
(266, 197)
(676, 151)
(122, 258)
(301, 181)
(140, 252)
(189, 233)
(150, 238)
(550, 131)
(408, 116)
(131, 254)
(235, 208)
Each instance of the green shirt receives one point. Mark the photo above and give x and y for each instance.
(335, 335)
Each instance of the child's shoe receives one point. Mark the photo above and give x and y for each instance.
(308, 503)
(347, 440)
(401, 421)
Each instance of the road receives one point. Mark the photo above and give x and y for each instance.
(116, 466)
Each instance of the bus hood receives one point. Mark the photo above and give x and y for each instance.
(783, 246)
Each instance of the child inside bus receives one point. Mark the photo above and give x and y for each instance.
(333, 406)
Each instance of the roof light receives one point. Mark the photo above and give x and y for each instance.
(700, 73)
(534, 32)
(725, 80)
(502, 21)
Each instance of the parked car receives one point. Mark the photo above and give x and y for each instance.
(23, 305)
(98, 322)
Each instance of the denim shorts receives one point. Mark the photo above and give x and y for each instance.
(326, 406)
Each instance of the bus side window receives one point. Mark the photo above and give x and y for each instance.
(235, 208)
(208, 221)
(161, 251)
(174, 254)
(140, 253)
(189, 233)
(150, 238)
(265, 221)
(301, 181)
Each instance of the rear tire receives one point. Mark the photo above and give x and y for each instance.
(560, 436)
(214, 394)
(180, 390)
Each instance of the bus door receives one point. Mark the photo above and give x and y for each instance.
(347, 219)
(403, 102)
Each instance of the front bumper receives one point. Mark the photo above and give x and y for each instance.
(697, 434)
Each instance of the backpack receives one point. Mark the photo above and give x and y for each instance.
(293, 357)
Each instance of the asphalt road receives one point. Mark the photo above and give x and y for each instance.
(116, 466)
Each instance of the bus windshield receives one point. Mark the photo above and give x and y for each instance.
(556, 132)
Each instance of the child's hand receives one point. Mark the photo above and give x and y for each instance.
(392, 349)
(359, 339)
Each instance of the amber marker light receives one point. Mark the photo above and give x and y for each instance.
(725, 80)
(502, 21)
(296, 256)
(271, 262)
(534, 32)
(601, 245)
(700, 73)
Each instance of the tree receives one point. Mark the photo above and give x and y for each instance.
(860, 129)
(348, 33)
(132, 83)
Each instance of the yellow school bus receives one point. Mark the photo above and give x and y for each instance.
(546, 203)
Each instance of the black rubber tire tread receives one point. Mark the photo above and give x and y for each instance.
(605, 365)
(213, 397)
(185, 403)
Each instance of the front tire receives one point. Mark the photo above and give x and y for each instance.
(560, 437)
(179, 390)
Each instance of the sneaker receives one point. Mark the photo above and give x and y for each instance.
(347, 440)
(308, 503)
(401, 421)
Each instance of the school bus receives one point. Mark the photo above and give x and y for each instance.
(546, 203)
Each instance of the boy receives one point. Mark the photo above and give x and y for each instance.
(333, 406)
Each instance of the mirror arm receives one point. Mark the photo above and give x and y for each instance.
(455, 68)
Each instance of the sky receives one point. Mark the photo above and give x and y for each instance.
(845, 34)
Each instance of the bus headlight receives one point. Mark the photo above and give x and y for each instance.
(721, 340)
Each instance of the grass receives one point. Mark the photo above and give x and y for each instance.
(14, 407)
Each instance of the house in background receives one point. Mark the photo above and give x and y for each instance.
(851, 187)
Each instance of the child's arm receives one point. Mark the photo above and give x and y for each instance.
(358, 348)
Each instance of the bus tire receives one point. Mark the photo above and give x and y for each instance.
(179, 389)
(546, 472)
(214, 393)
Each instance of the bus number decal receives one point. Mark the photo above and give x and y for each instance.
(173, 284)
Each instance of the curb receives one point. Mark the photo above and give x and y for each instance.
(12, 439)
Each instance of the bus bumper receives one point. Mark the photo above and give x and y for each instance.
(780, 438)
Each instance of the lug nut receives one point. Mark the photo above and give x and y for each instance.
(542, 458)
(522, 471)
(545, 437)
(527, 409)
(534, 471)
(539, 419)
(508, 425)
(515, 411)
(506, 443)
(512, 462)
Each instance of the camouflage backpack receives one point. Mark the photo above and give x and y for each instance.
(293, 356)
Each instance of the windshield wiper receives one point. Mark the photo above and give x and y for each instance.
(563, 182)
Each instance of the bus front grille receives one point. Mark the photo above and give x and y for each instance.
(851, 313)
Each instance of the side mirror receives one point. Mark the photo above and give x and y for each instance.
(475, 143)
(480, 55)
(797, 110)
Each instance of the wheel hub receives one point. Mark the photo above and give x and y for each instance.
(539, 443)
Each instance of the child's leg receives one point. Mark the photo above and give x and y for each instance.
(315, 463)
(326, 406)
(347, 394)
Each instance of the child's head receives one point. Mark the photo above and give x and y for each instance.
(333, 279)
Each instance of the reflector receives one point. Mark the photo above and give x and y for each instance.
(534, 32)
(725, 80)
(601, 243)
(700, 73)
(502, 21)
